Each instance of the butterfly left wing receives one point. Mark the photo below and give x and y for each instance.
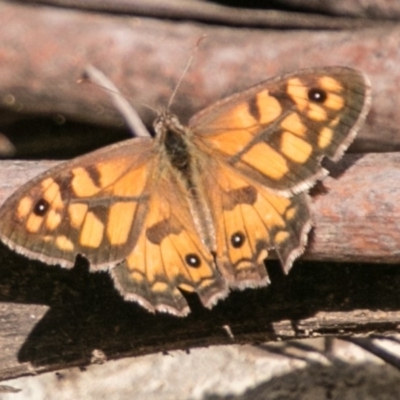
(278, 131)
(265, 146)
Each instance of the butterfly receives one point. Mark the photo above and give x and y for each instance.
(195, 208)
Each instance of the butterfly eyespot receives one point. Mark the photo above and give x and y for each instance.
(237, 239)
(317, 95)
(193, 260)
(41, 208)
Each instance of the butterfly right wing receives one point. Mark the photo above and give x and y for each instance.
(92, 205)
(124, 210)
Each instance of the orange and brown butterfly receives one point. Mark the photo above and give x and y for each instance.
(197, 208)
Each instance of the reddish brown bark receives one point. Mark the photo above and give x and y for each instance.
(44, 50)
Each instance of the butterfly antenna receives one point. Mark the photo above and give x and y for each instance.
(188, 64)
(127, 111)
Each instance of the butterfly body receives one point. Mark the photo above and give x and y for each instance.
(197, 208)
(185, 162)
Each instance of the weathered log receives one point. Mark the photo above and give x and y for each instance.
(53, 318)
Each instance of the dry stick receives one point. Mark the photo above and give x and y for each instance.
(128, 112)
(374, 348)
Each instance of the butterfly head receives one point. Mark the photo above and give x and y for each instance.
(167, 123)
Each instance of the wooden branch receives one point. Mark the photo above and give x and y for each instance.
(360, 9)
(203, 11)
(145, 57)
(357, 211)
(53, 318)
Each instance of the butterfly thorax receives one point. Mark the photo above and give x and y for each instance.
(174, 138)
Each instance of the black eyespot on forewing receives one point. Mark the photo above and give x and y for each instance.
(317, 95)
(193, 260)
(238, 239)
(41, 207)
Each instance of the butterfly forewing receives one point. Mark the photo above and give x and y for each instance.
(91, 206)
(278, 131)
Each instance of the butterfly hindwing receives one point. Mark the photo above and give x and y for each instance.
(250, 220)
(169, 255)
(278, 131)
